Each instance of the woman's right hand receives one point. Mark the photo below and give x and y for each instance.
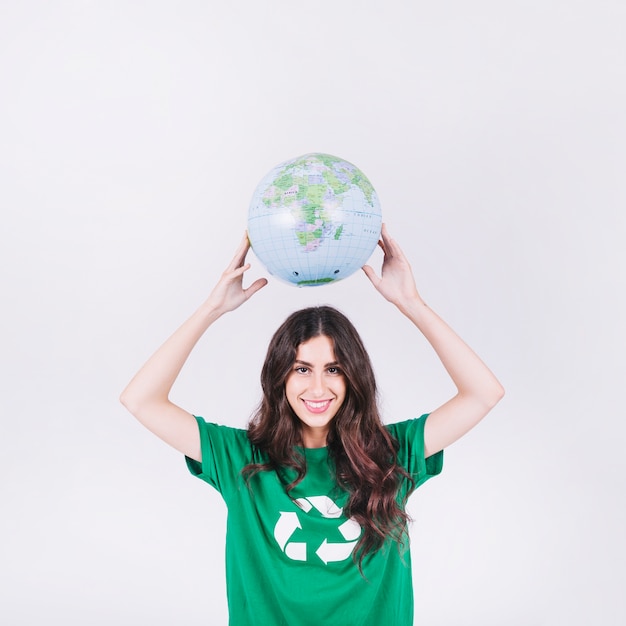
(147, 394)
(228, 293)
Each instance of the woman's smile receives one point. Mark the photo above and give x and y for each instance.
(317, 406)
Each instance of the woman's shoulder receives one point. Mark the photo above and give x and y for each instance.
(222, 432)
(229, 444)
(407, 428)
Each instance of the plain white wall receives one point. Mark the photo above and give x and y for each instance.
(132, 135)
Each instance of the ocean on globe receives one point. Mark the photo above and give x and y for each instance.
(314, 220)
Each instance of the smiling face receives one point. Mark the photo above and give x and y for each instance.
(315, 389)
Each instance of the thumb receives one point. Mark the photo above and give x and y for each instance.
(371, 274)
(259, 283)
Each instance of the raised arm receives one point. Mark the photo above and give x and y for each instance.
(147, 394)
(478, 390)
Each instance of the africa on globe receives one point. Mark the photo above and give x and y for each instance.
(314, 219)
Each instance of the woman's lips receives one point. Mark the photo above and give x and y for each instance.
(318, 406)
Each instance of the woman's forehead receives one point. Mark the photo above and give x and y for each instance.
(318, 349)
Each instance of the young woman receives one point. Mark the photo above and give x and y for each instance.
(316, 487)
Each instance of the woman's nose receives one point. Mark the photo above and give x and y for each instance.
(317, 386)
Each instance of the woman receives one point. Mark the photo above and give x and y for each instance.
(316, 487)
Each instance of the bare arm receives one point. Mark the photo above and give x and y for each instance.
(147, 394)
(478, 390)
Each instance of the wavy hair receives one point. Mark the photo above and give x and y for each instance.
(361, 449)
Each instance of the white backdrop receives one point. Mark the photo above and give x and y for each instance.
(132, 135)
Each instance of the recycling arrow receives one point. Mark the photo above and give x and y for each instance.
(332, 552)
(350, 529)
(286, 525)
(325, 506)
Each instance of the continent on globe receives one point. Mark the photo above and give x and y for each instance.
(314, 219)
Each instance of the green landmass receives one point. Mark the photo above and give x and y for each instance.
(317, 281)
(315, 194)
(360, 180)
(305, 237)
(334, 183)
(284, 181)
(357, 177)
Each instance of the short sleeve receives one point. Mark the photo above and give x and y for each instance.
(410, 438)
(225, 452)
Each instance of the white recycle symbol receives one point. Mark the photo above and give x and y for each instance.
(288, 523)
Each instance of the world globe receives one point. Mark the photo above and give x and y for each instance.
(314, 220)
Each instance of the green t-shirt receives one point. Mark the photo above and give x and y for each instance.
(289, 557)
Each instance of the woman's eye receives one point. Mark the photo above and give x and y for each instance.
(302, 370)
(334, 370)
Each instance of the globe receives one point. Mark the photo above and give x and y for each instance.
(314, 220)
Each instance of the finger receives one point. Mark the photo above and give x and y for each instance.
(381, 245)
(240, 254)
(237, 272)
(386, 239)
(245, 245)
(392, 246)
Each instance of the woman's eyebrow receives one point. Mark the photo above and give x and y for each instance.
(331, 364)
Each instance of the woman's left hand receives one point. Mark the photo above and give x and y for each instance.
(478, 390)
(396, 282)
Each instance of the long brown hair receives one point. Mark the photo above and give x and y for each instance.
(361, 449)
